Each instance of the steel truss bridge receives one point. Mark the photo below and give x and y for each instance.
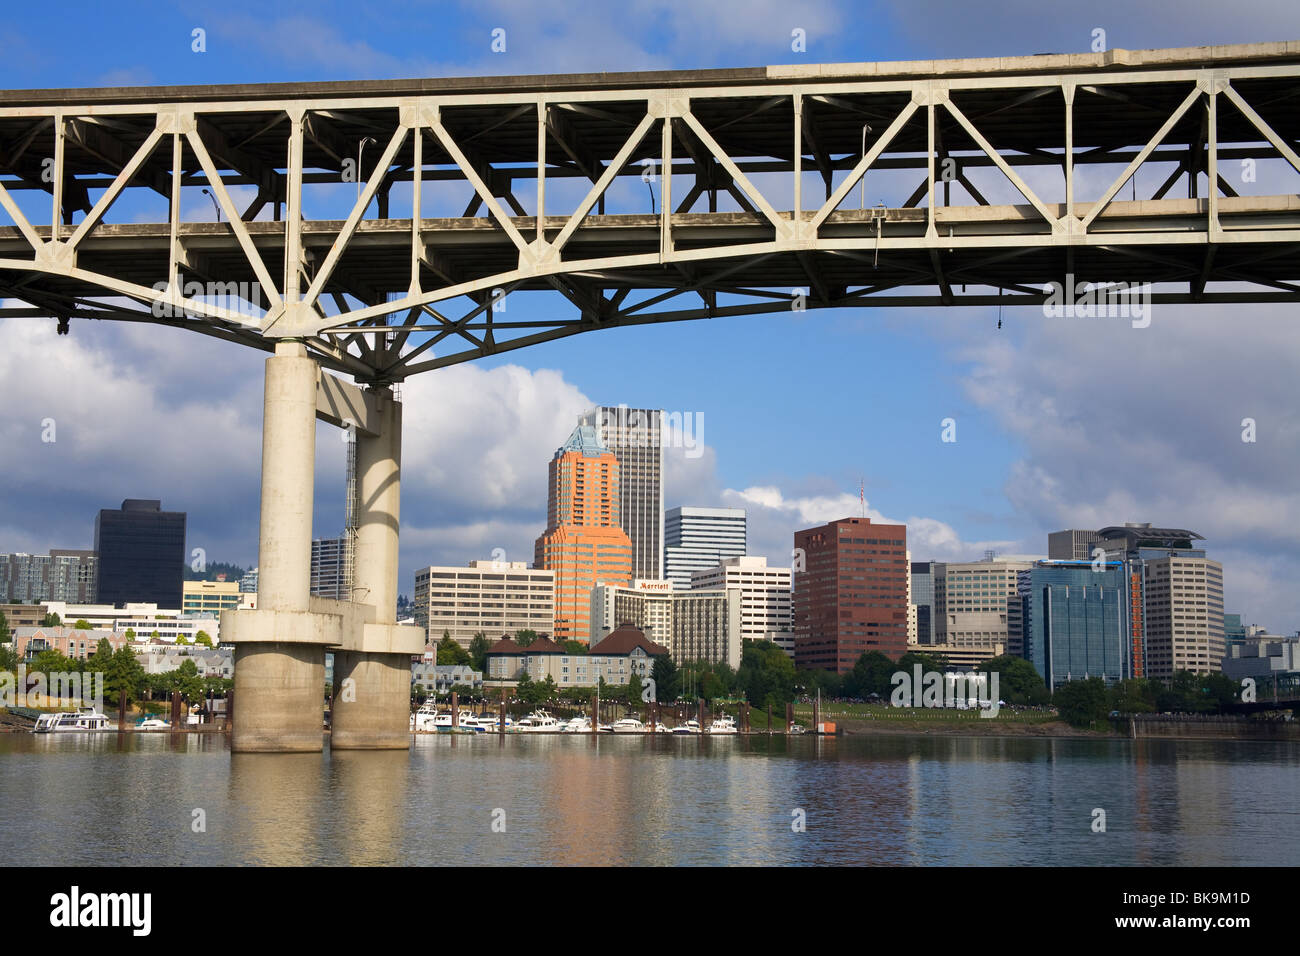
(374, 294)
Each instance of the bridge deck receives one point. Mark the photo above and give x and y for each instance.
(757, 169)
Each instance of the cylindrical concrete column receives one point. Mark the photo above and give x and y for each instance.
(375, 712)
(280, 684)
(288, 479)
(379, 487)
(280, 688)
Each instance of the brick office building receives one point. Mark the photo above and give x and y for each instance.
(850, 593)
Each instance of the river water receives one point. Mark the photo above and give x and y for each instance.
(542, 799)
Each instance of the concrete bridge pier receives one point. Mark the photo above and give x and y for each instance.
(372, 674)
(280, 647)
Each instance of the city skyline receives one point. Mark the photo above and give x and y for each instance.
(1053, 429)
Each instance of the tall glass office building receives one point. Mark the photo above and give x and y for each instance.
(1075, 622)
(141, 554)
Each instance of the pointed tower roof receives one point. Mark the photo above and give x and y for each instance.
(583, 439)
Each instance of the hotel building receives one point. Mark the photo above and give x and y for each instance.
(694, 625)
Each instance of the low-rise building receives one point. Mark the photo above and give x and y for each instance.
(69, 641)
(430, 677)
(615, 658)
(157, 657)
(960, 657)
(209, 598)
(1263, 659)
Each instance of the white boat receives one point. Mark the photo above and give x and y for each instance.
(629, 725)
(724, 724)
(153, 723)
(85, 720)
(578, 725)
(425, 719)
(691, 726)
(491, 723)
(663, 729)
(539, 721)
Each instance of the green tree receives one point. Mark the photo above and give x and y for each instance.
(188, 681)
(8, 654)
(478, 649)
(634, 687)
(1182, 695)
(525, 636)
(666, 678)
(51, 619)
(1220, 689)
(870, 675)
(99, 661)
(1018, 680)
(82, 625)
(182, 640)
(124, 673)
(1133, 696)
(829, 683)
(766, 674)
(1080, 702)
(928, 662)
(575, 648)
(203, 638)
(449, 652)
(52, 661)
(130, 634)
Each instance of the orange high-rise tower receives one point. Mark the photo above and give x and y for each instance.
(583, 543)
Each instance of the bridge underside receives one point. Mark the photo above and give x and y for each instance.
(378, 229)
(909, 184)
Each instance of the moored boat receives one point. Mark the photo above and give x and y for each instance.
(724, 724)
(84, 720)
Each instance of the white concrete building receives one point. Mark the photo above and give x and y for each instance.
(697, 539)
(143, 619)
(496, 598)
(693, 625)
(765, 609)
(1184, 615)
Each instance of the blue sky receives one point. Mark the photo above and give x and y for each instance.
(796, 408)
